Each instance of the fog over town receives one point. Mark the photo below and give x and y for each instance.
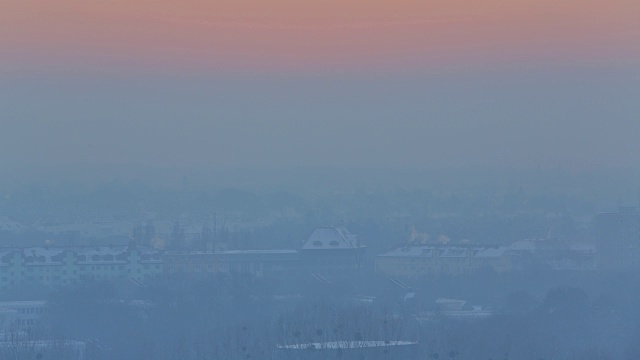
(530, 264)
(198, 181)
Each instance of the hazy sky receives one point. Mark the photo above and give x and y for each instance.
(283, 34)
(376, 84)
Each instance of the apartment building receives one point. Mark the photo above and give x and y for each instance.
(420, 260)
(253, 263)
(55, 266)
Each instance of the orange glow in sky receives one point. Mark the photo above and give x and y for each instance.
(281, 34)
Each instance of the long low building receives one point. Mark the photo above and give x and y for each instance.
(55, 266)
(254, 263)
(327, 250)
(351, 349)
(420, 260)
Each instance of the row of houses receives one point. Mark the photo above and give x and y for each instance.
(55, 266)
(421, 260)
(328, 251)
(616, 249)
(329, 248)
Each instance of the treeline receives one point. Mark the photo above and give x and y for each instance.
(575, 316)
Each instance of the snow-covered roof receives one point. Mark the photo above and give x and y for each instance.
(491, 252)
(411, 251)
(82, 255)
(453, 252)
(242, 252)
(39, 344)
(332, 237)
(447, 251)
(442, 301)
(523, 245)
(334, 345)
(235, 252)
(409, 296)
(540, 245)
(39, 255)
(22, 304)
(97, 255)
(451, 304)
